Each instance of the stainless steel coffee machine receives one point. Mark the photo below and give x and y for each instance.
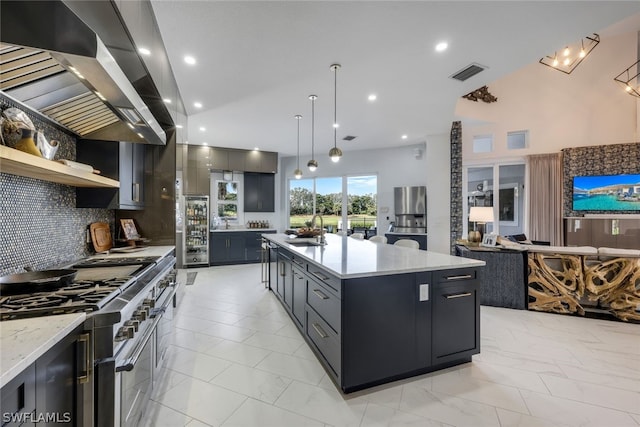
(411, 209)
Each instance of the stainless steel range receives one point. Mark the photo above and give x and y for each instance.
(129, 303)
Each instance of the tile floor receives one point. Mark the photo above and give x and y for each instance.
(237, 360)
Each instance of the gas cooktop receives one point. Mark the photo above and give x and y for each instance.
(79, 296)
(109, 261)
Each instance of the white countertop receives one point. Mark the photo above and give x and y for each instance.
(23, 341)
(226, 230)
(350, 258)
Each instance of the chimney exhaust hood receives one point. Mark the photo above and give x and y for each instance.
(55, 64)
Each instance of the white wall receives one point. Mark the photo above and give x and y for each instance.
(395, 167)
(560, 110)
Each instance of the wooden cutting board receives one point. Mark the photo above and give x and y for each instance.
(100, 236)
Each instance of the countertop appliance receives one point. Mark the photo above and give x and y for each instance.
(129, 303)
(410, 205)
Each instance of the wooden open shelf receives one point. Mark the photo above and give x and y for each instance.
(16, 162)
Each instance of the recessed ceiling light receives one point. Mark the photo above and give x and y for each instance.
(404, 137)
(178, 126)
(167, 101)
(202, 128)
(373, 97)
(256, 149)
(442, 46)
(197, 104)
(204, 143)
(144, 51)
(190, 60)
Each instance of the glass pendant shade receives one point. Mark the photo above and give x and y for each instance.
(335, 153)
(297, 173)
(312, 165)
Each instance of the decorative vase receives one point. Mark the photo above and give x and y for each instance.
(27, 144)
(474, 236)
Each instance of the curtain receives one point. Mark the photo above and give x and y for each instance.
(545, 198)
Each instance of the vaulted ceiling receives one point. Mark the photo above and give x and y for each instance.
(257, 62)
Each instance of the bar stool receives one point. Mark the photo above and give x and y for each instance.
(358, 236)
(378, 239)
(407, 243)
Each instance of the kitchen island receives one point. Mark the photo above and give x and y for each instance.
(375, 313)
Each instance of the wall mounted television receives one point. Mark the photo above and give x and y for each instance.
(606, 193)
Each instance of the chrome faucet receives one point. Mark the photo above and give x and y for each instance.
(313, 225)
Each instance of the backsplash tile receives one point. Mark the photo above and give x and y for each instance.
(40, 226)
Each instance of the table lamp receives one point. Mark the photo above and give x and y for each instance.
(480, 215)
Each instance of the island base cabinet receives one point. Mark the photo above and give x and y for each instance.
(326, 341)
(386, 329)
(18, 399)
(456, 316)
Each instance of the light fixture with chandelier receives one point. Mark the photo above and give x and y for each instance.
(572, 55)
(312, 164)
(629, 79)
(298, 173)
(335, 153)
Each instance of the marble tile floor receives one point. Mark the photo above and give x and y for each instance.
(237, 360)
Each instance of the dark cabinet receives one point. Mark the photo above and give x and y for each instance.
(122, 161)
(235, 247)
(198, 173)
(227, 247)
(456, 315)
(299, 290)
(286, 275)
(55, 386)
(18, 399)
(259, 192)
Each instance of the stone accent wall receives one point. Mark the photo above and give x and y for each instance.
(596, 160)
(40, 226)
(456, 184)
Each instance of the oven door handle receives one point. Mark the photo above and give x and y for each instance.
(130, 362)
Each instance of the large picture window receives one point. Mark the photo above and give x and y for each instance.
(346, 203)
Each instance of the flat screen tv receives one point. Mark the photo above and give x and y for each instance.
(606, 193)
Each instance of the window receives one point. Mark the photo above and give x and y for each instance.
(356, 207)
(517, 140)
(482, 143)
(507, 198)
(227, 199)
(300, 202)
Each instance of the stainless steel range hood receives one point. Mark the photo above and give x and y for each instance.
(53, 63)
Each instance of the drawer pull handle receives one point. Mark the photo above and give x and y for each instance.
(320, 294)
(466, 294)
(464, 276)
(85, 340)
(319, 331)
(320, 275)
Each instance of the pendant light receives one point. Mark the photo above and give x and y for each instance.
(298, 173)
(312, 164)
(335, 153)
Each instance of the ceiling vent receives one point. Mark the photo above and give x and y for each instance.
(349, 138)
(467, 72)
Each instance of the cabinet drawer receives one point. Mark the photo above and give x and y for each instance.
(298, 262)
(455, 275)
(325, 278)
(325, 339)
(325, 303)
